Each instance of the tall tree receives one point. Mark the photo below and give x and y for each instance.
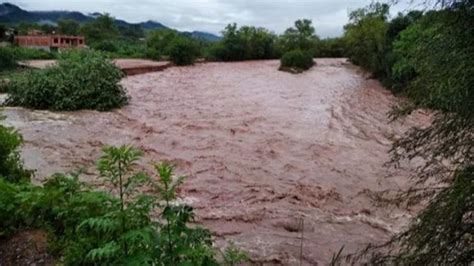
(68, 27)
(302, 36)
(103, 28)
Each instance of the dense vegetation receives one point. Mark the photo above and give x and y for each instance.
(80, 80)
(7, 59)
(244, 43)
(238, 43)
(296, 61)
(251, 43)
(88, 226)
(9, 56)
(183, 51)
(428, 58)
(11, 167)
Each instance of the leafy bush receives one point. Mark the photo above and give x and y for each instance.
(158, 41)
(11, 166)
(7, 58)
(81, 80)
(296, 60)
(94, 227)
(23, 53)
(106, 46)
(244, 43)
(183, 51)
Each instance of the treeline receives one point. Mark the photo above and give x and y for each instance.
(427, 57)
(252, 43)
(237, 43)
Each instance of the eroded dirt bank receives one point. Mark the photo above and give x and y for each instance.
(263, 150)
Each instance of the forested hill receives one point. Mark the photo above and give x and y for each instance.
(12, 14)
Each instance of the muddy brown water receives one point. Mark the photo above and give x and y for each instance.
(263, 150)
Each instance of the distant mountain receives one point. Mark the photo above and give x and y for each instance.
(13, 14)
(205, 36)
(10, 13)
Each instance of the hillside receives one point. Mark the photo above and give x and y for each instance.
(12, 14)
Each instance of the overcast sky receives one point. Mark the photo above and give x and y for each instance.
(328, 16)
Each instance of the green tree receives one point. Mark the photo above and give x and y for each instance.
(157, 42)
(103, 28)
(365, 37)
(183, 51)
(433, 59)
(132, 32)
(244, 43)
(68, 27)
(302, 36)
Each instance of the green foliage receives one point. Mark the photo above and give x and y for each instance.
(245, 43)
(234, 256)
(369, 37)
(10, 220)
(24, 27)
(300, 37)
(428, 59)
(365, 37)
(122, 48)
(81, 80)
(298, 60)
(436, 51)
(23, 53)
(93, 227)
(7, 58)
(103, 28)
(68, 27)
(183, 51)
(330, 47)
(157, 42)
(105, 46)
(11, 166)
(132, 32)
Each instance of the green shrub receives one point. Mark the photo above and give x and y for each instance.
(106, 46)
(81, 80)
(297, 61)
(90, 227)
(7, 58)
(11, 166)
(23, 53)
(158, 41)
(183, 51)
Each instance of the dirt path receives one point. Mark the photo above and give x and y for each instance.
(263, 150)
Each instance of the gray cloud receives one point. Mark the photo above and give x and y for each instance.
(328, 16)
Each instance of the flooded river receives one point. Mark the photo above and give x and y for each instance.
(275, 161)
